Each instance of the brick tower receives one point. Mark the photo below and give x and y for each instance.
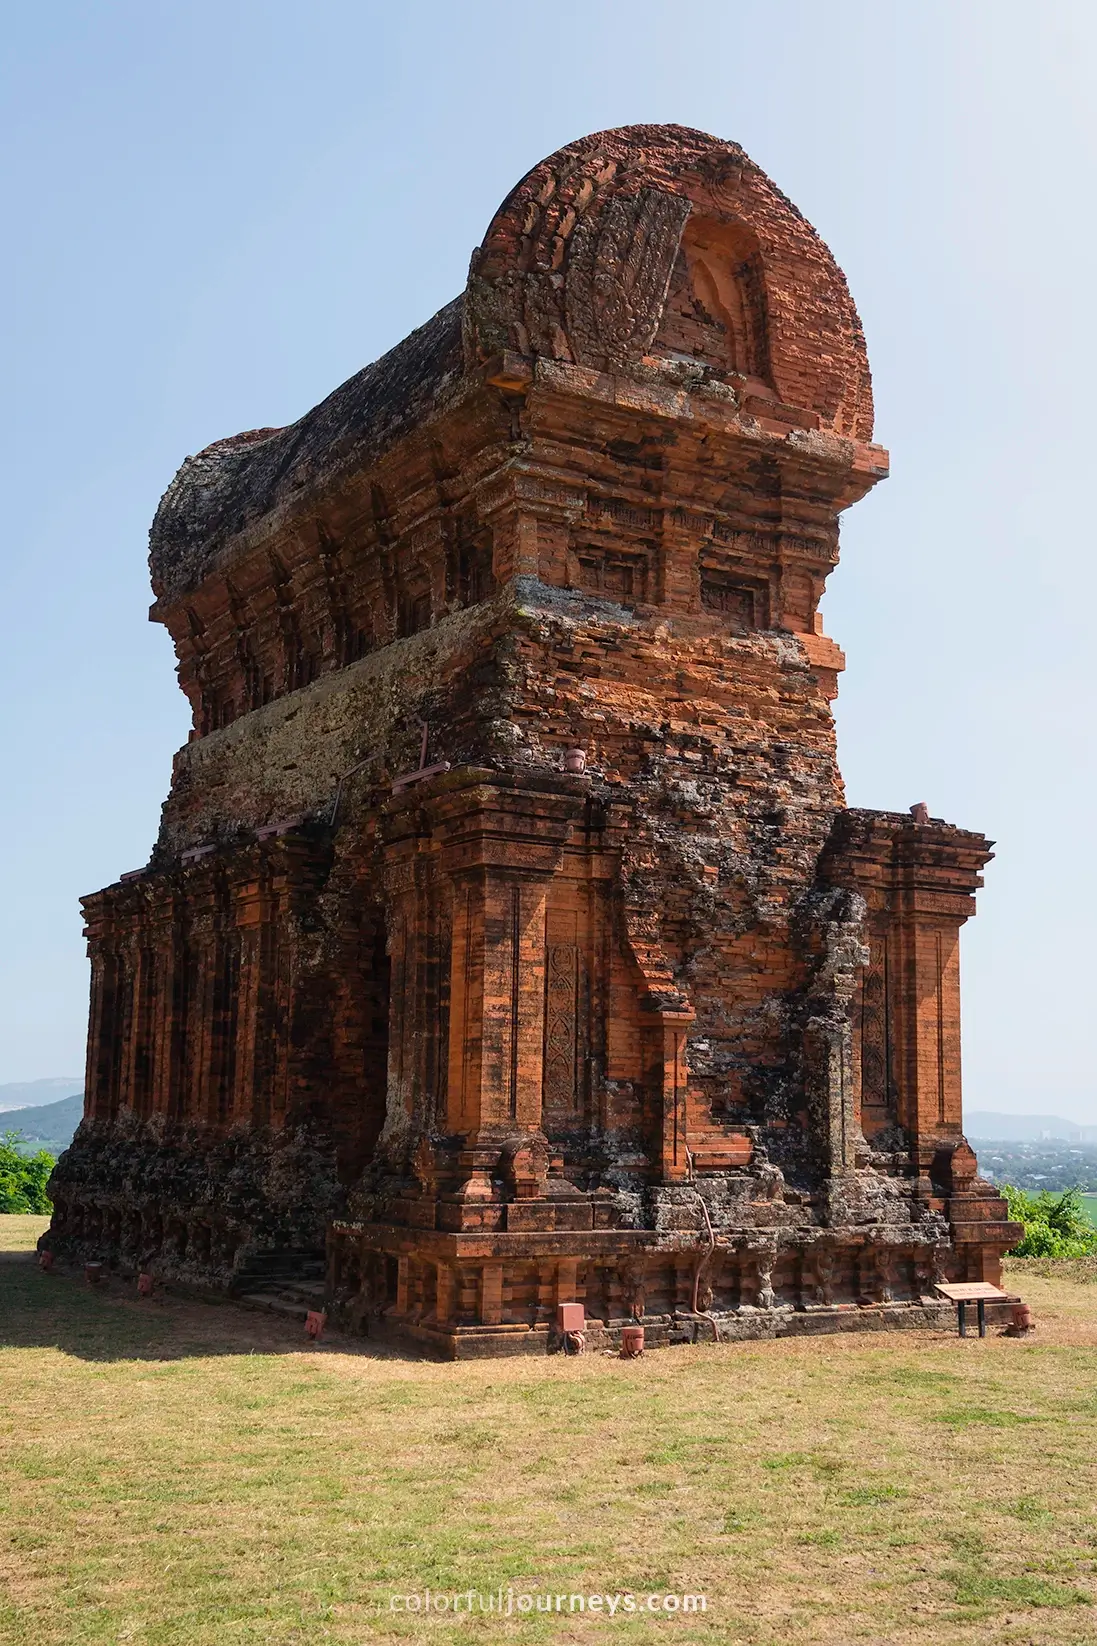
(507, 938)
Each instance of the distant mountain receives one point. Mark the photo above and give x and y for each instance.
(982, 1125)
(31, 1094)
(46, 1125)
(50, 1110)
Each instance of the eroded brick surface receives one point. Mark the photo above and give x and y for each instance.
(616, 1002)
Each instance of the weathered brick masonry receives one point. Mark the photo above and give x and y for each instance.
(506, 935)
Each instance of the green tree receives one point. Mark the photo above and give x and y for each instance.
(1055, 1225)
(23, 1178)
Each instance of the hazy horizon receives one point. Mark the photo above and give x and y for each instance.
(224, 212)
(72, 1086)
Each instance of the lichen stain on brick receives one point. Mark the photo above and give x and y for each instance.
(663, 1027)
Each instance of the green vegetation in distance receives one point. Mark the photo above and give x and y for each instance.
(23, 1178)
(1055, 1225)
(52, 1126)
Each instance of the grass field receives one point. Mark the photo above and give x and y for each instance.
(1089, 1201)
(181, 1474)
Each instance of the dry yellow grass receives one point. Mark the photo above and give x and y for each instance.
(18, 1234)
(1022, 1269)
(176, 1474)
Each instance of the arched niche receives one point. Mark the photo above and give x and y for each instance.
(715, 311)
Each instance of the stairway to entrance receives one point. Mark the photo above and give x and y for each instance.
(286, 1282)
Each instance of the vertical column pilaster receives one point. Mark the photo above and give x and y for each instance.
(487, 849)
(531, 517)
(99, 936)
(414, 923)
(674, 1078)
(163, 947)
(497, 1010)
(294, 998)
(251, 909)
(678, 578)
(197, 1098)
(918, 880)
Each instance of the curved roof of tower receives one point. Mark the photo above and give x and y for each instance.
(574, 267)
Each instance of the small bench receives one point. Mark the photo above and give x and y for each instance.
(979, 1292)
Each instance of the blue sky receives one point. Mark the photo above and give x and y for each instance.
(217, 212)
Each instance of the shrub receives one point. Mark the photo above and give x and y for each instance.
(1055, 1225)
(23, 1178)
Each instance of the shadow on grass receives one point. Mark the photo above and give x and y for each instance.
(110, 1322)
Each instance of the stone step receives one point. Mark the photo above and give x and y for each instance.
(250, 1281)
(285, 1261)
(308, 1297)
(279, 1303)
(260, 1276)
(704, 1124)
(715, 1151)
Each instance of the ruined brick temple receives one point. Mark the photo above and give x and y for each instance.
(507, 939)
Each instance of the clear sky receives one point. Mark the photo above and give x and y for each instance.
(218, 211)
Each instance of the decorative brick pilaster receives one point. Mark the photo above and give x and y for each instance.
(918, 881)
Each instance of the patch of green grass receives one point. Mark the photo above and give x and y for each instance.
(980, 1588)
(677, 1452)
(739, 1520)
(918, 1377)
(822, 1464)
(959, 1417)
(964, 1540)
(472, 1437)
(863, 1497)
(1028, 1508)
(787, 1460)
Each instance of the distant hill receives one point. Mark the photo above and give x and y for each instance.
(982, 1125)
(46, 1125)
(47, 1112)
(32, 1094)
